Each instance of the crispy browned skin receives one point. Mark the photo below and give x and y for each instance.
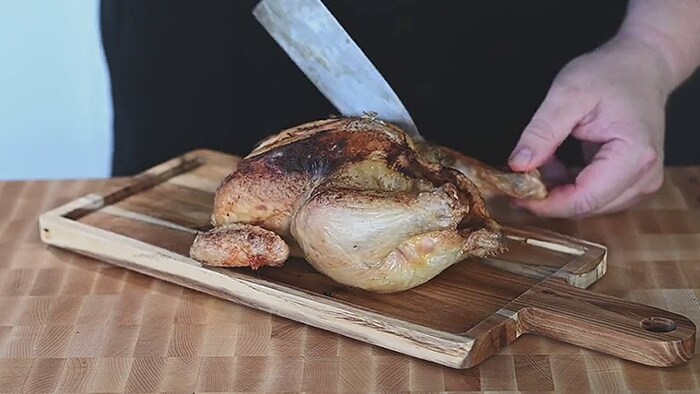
(357, 199)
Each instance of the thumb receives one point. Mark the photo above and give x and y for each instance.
(561, 111)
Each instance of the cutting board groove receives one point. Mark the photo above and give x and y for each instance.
(457, 319)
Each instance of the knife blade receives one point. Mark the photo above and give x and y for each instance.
(316, 42)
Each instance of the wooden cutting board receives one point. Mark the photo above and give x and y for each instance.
(458, 319)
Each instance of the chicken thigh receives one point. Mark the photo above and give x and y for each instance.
(357, 199)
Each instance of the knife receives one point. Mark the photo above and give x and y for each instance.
(317, 43)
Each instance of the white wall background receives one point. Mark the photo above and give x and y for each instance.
(55, 109)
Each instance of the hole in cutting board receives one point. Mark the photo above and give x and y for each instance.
(658, 324)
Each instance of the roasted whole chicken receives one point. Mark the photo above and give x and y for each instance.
(361, 201)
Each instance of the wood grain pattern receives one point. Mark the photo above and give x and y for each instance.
(666, 275)
(484, 304)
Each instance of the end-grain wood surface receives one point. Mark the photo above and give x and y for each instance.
(72, 324)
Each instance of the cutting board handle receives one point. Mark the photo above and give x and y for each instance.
(625, 329)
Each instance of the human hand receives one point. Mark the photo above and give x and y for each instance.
(612, 99)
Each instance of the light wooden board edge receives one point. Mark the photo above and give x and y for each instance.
(308, 308)
(585, 252)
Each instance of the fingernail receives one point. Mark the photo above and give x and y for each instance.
(521, 157)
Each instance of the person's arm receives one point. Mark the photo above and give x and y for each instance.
(613, 99)
(671, 28)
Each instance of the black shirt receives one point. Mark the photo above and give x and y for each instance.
(204, 74)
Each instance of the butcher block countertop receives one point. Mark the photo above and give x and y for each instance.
(69, 323)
